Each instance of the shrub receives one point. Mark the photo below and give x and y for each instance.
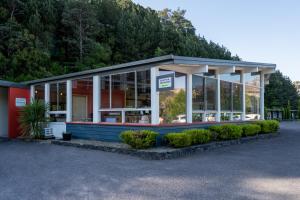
(250, 129)
(141, 139)
(268, 126)
(199, 136)
(179, 140)
(227, 131)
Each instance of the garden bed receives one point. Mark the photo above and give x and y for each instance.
(158, 153)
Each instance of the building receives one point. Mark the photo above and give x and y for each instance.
(167, 93)
(297, 86)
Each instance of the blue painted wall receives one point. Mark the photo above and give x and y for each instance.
(111, 132)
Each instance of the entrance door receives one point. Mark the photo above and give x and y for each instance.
(80, 108)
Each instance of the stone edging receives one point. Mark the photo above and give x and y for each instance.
(162, 153)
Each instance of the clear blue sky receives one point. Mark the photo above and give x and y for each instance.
(256, 30)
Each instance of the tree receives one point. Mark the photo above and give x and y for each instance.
(280, 92)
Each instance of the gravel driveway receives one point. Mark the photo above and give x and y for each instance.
(266, 169)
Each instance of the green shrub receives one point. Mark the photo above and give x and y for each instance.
(179, 140)
(250, 129)
(227, 131)
(141, 139)
(199, 136)
(268, 126)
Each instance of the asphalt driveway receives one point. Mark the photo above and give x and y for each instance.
(266, 169)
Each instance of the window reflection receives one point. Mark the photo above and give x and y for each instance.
(58, 96)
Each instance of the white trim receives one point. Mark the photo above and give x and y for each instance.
(218, 116)
(96, 98)
(243, 96)
(123, 109)
(47, 97)
(57, 112)
(154, 97)
(69, 101)
(262, 96)
(189, 98)
(32, 93)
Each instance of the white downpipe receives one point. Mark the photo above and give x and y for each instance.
(189, 98)
(32, 93)
(47, 97)
(262, 96)
(218, 115)
(243, 81)
(69, 101)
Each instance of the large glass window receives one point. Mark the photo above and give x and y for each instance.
(211, 85)
(123, 90)
(82, 99)
(58, 96)
(252, 102)
(237, 91)
(172, 103)
(111, 116)
(39, 92)
(143, 89)
(226, 95)
(198, 93)
(105, 98)
(233, 77)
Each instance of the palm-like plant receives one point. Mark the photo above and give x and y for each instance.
(33, 119)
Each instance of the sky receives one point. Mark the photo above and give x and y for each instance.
(257, 30)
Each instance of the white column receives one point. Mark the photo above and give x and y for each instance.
(154, 96)
(189, 98)
(243, 81)
(218, 115)
(96, 98)
(262, 96)
(32, 93)
(47, 96)
(69, 101)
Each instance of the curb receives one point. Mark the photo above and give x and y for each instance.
(168, 153)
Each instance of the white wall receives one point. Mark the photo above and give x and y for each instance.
(58, 128)
(3, 112)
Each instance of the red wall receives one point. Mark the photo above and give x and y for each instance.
(13, 111)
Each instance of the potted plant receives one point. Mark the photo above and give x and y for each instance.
(67, 136)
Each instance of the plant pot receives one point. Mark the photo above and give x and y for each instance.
(67, 136)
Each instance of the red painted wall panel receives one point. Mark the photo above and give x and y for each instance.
(14, 111)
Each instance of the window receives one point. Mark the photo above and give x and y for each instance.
(39, 92)
(82, 99)
(233, 77)
(237, 92)
(105, 95)
(252, 79)
(198, 117)
(138, 117)
(57, 117)
(211, 93)
(111, 116)
(172, 103)
(198, 92)
(226, 95)
(143, 89)
(123, 90)
(58, 96)
(252, 102)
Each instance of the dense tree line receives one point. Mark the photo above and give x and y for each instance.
(51, 37)
(281, 92)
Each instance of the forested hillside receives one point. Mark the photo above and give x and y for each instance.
(40, 38)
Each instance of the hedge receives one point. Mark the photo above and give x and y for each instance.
(250, 129)
(179, 140)
(199, 136)
(141, 139)
(227, 131)
(268, 126)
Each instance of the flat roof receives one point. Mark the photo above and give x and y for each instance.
(162, 60)
(11, 84)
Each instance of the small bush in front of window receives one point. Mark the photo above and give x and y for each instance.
(250, 129)
(178, 140)
(227, 131)
(139, 139)
(199, 136)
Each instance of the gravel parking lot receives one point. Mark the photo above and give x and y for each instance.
(266, 169)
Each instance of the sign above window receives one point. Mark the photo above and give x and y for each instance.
(165, 82)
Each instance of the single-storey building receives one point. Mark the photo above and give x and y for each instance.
(166, 93)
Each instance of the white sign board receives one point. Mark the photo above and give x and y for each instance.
(20, 102)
